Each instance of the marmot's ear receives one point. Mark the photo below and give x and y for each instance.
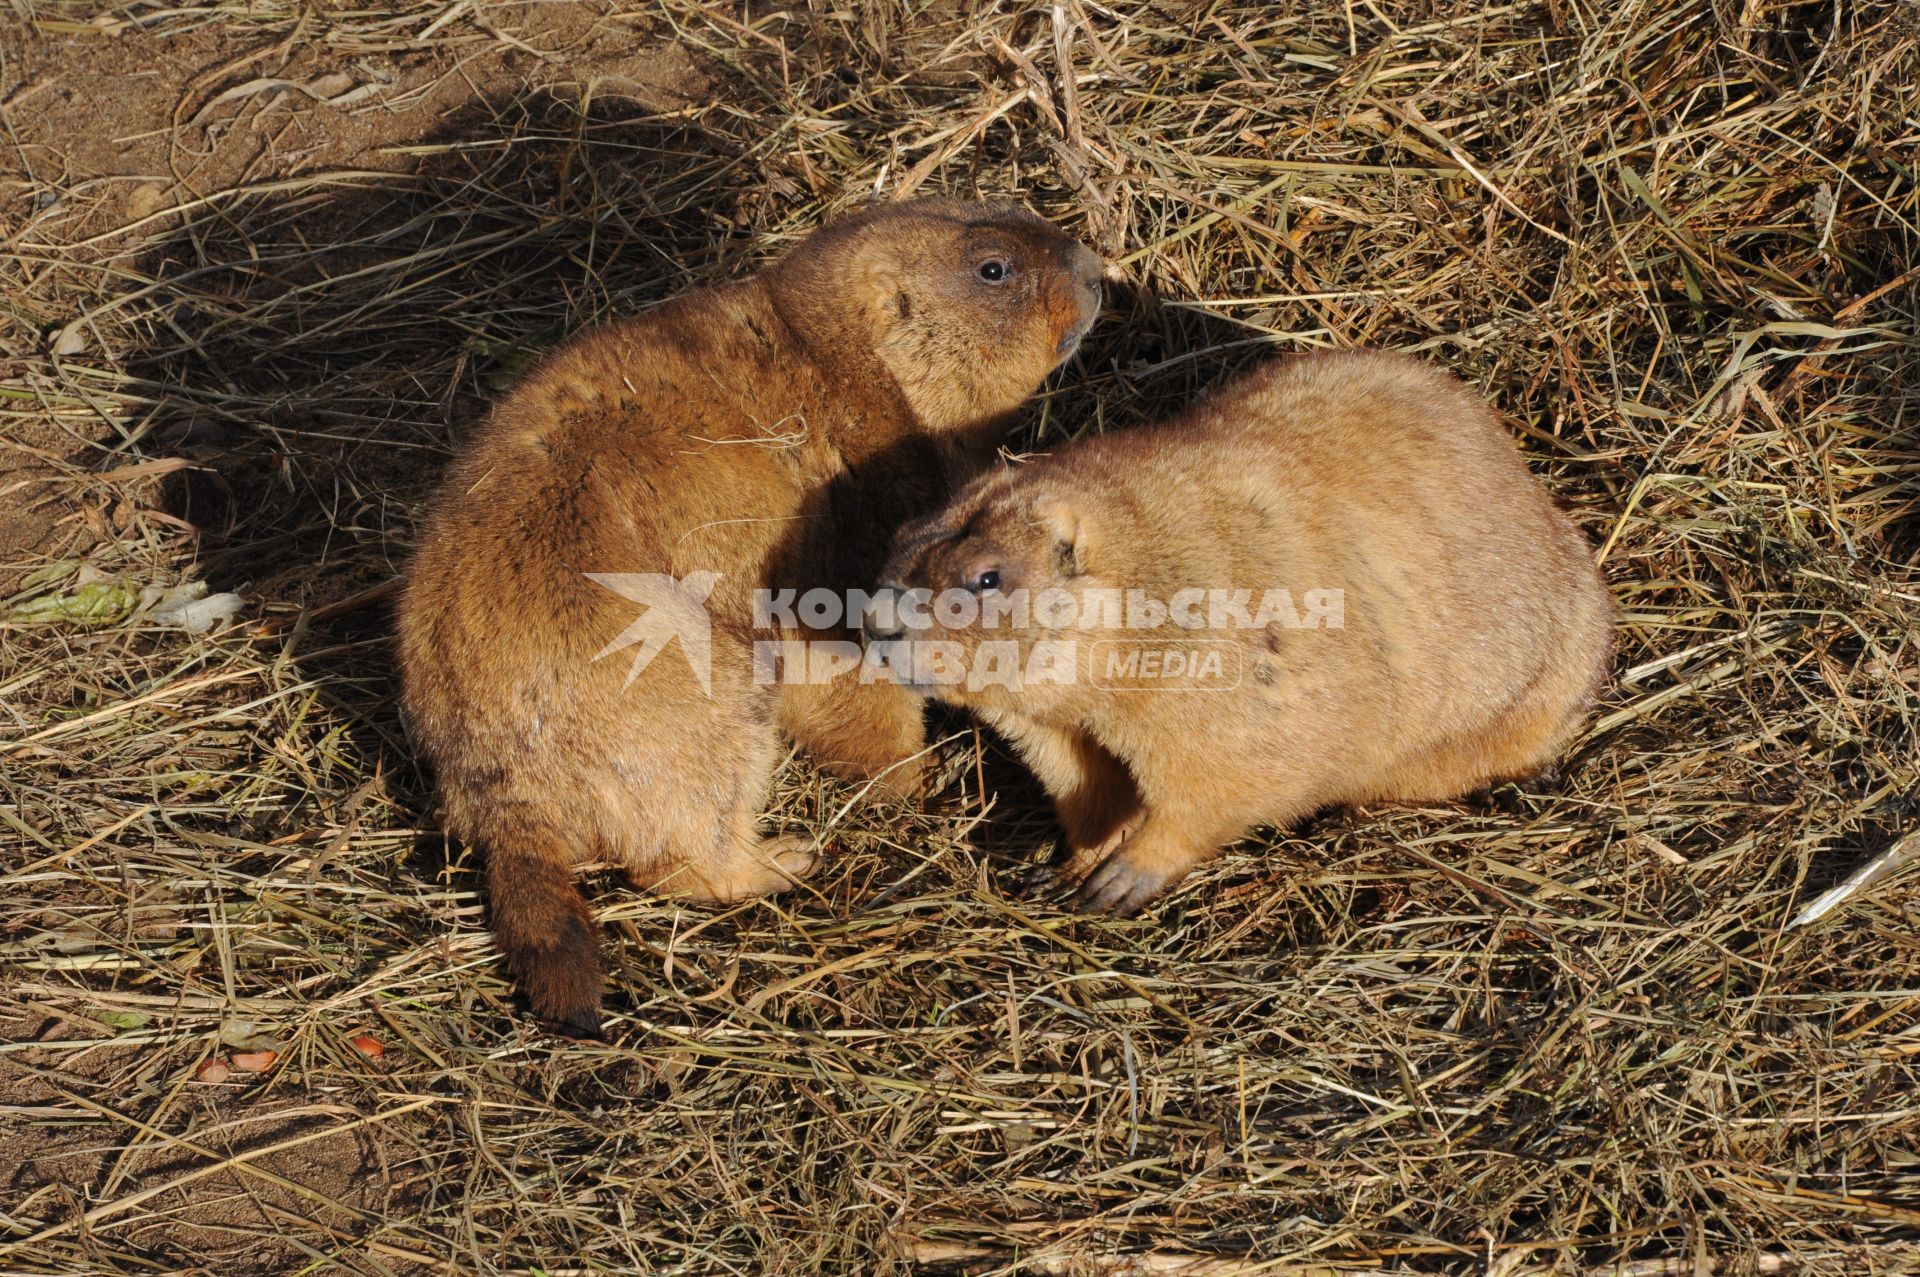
(880, 292)
(1065, 522)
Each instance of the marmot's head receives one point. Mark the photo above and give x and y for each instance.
(999, 594)
(968, 306)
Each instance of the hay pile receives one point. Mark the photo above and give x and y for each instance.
(1675, 240)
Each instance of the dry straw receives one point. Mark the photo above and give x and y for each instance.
(1568, 1033)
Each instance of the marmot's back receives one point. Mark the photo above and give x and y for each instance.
(1425, 512)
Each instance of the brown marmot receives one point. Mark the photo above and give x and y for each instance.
(766, 433)
(1334, 581)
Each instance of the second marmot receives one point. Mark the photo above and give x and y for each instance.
(1361, 594)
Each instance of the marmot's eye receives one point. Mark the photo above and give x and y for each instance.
(993, 270)
(986, 581)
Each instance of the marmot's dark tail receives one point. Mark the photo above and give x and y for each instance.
(542, 926)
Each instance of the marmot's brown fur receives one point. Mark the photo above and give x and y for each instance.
(1471, 636)
(773, 432)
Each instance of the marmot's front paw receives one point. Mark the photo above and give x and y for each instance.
(1127, 880)
(773, 865)
(1082, 858)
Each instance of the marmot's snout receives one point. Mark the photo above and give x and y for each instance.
(1086, 268)
(885, 624)
(883, 621)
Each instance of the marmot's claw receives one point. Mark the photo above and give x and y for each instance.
(795, 856)
(1120, 887)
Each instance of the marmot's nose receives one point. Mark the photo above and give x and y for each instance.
(880, 621)
(1087, 269)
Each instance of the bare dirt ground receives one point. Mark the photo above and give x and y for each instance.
(265, 264)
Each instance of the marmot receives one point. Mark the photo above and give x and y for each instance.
(764, 433)
(1362, 594)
